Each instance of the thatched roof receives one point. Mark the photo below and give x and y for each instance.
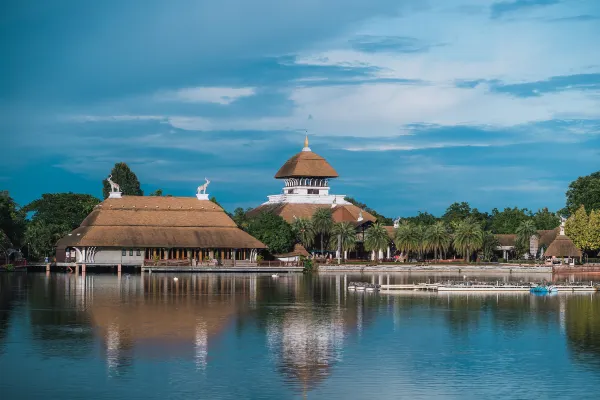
(299, 250)
(391, 231)
(562, 246)
(138, 221)
(306, 164)
(548, 236)
(506, 239)
(341, 213)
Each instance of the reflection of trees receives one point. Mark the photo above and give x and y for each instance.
(582, 322)
(58, 322)
(11, 292)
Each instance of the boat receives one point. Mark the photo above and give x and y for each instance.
(352, 286)
(543, 289)
(275, 276)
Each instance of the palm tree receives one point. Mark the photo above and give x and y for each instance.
(468, 238)
(419, 241)
(304, 231)
(524, 233)
(404, 238)
(346, 235)
(376, 238)
(489, 244)
(438, 238)
(322, 224)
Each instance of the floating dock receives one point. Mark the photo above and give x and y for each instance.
(440, 287)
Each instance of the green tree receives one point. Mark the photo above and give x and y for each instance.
(322, 224)
(508, 220)
(438, 238)
(376, 239)
(458, 212)
(273, 231)
(304, 232)
(419, 240)
(240, 217)
(594, 230)
(525, 232)
(346, 236)
(404, 238)
(577, 228)
(62, 208)
(157, 192)
(12, 220)
(468, 238)
(125, 178)
(55, 215)
(488, 246)
(546, 220)
(584, 191)
(380, 218)
(423, 218)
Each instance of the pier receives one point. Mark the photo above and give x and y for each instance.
(482, 287)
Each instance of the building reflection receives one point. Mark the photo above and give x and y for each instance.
(160, 317)
(306, 336)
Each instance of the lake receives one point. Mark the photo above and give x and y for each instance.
(230, 336)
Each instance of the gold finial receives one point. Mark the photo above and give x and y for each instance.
(306, 141)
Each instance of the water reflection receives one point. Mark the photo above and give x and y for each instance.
(307, 327)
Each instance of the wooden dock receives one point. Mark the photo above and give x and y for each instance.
(440, 287)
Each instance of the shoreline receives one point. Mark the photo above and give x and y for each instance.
(437, 268)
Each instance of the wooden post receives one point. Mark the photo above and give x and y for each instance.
(47, 267)
(76, 269)
(83, 268)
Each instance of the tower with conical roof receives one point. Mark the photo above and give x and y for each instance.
(306, 180)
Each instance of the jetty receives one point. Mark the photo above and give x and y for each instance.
(487, 287)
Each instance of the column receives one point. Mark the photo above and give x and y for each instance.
(388, 253)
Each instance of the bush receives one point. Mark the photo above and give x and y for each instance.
(9, 267)
(259, 258)
(309, 265)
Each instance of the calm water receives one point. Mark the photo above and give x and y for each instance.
(248, 336)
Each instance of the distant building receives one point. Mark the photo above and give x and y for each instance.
(306, 178)
(137, 230)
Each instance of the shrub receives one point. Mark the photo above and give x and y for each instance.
(9, 267)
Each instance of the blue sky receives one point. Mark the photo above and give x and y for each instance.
(417, 104)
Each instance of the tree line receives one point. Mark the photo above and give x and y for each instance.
(35, 227)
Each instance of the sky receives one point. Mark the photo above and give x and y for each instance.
(416, 103)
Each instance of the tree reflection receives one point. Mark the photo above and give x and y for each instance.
(582, 322)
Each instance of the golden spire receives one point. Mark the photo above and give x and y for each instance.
(306, 148)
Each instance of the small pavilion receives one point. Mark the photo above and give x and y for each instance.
(563, 248)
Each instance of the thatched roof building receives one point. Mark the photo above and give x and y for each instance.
(291, 211)
(306, 164)
(562, 246)
(157, 223)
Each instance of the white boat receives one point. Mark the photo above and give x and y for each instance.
(275, 276)
(360, 288)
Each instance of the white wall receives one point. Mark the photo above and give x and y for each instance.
(113, 256)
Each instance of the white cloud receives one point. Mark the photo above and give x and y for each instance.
(219, 95)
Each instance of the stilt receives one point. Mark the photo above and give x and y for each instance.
(47, 267)
(76, 269)
(83, 266)
(119, 270)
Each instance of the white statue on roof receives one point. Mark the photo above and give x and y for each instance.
(114, 187)
(202, 188)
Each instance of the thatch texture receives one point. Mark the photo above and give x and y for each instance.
(341, 213)
(299, 250)
(391, 231)
(306, 164)
(548, 236)
(562, 246)
(506, 240)
(136, 221)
